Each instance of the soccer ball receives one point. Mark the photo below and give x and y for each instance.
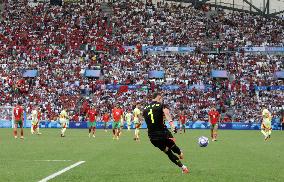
(203, 141)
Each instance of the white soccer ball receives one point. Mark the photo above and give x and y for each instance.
(203, 141)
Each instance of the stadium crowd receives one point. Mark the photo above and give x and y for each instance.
(61, 42)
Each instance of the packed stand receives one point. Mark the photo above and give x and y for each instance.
(64, 41)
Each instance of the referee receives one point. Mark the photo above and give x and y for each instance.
(158, 133)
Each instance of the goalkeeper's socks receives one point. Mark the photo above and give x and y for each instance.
(183, 167)
(176, 149)
(185, 170)
(174, 158)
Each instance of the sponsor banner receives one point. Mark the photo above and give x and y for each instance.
(78, 125)
(242, 126)
(225, 126)
(254, 49)
(200, 87)
(156, 74)
(219, 74)
(186, 49)
(276, 87)
(92, 73)
(263, 49)
(129, 48)
(5, 124)
(44, 124)
(198, 125)
(170, 87)
(116, 87)
(274, 49)
(30, 73)
(279, 74)
(195, 86)
(167, 49)
(260, 88)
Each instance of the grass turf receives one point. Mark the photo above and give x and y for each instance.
(237, 156)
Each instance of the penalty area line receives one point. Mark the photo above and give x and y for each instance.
(61, 171)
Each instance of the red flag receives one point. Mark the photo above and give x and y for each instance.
(123, 88)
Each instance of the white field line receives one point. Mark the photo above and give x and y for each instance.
(52, 160)
(61, 171)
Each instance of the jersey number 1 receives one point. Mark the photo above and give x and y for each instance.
(152, 116)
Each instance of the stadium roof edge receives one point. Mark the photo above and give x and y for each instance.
(233, 7)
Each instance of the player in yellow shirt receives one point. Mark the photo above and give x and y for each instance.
(266, 124)
(63, 119)
(137, 121)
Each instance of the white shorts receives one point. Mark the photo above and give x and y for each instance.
(136, 120)
(266, 125)
(62, 120)
(34, 122)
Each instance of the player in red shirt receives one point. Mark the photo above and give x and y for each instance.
(182, 121)
(18, 119)
(117, 113)
(105, 120)
(91, 115)
(214, 118)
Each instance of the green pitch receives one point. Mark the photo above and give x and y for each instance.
(237, 156)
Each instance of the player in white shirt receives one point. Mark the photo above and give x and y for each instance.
(137, 121)
(128, 118)
(63, 119)
(266, 124)
(35, 121)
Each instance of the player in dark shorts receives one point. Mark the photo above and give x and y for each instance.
(158, 133)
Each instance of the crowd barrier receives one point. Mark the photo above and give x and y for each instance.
(276, 125)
